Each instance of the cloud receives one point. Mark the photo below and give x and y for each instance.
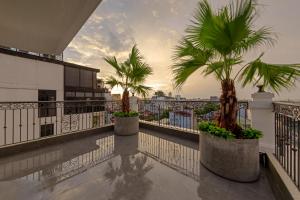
(157, 25)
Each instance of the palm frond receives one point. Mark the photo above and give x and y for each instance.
(135, 56)
(132, 71)
(188, 59)
(275, 76)
(217, 68)
(112, 61)
(203, 19)
(140, 89)
(140, 72)
(112, 82)
(261, 37)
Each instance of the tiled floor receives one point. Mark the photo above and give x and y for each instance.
(146, 166)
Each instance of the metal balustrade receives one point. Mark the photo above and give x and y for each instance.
(287, 141)
(28, 121)
(186, 114)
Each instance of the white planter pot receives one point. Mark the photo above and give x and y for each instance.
(234, 159)
(126, 125)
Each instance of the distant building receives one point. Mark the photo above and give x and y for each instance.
(116, 97)
(32, 70)
(214, 98)
(28, 77)
(182, 118)
(178, 97)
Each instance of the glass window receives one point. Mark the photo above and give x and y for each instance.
(46, 130)
(47, 109)
(98, 94)
(71, 76)
(79, 94)
(89, 94)
(86, 78)
(70, 94)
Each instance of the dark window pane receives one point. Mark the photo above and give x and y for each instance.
(94, 80)
(46, 130)
(71, 76)
(47, 109)
(86, 78)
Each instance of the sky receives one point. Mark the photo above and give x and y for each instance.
(156, 26)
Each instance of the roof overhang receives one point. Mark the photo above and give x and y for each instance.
(46, 26)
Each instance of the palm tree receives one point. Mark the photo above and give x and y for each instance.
(216, 42)
(131, 75)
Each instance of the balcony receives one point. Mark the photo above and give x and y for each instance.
(75, 155)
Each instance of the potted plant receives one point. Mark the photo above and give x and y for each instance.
(131, 75)
(216, 42)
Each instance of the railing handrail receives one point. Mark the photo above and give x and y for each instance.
(67, 101)
(297, 104)
(191, 100)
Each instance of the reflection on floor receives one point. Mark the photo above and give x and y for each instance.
(149, 165)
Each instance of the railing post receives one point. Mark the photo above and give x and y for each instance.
(159, 114)
(262, 118)
(133, 100)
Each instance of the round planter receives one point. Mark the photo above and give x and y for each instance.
(126, 125)
(234, 159)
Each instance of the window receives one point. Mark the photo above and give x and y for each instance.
(47, 109)
(88, 94)
(86, 78)
(99, 95)
(72, 76)
(79, 94)
(70, 94)
(46, 130)
(94, 80)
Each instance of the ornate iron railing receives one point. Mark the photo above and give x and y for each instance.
(287, 141)
(186, 114)
(27, 121)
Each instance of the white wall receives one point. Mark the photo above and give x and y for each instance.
(262, 118)
(21, 78)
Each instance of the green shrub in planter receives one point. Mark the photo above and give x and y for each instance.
(213, 129)
(126, 114)
(251, 133)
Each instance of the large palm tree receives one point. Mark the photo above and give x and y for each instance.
(131, 76)
(216, 42)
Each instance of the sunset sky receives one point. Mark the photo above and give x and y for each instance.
(156, 26)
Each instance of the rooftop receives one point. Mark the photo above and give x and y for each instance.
(150, 165)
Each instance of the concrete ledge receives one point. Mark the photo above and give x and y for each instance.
(171, 131)
(31, 145)
(281, 184)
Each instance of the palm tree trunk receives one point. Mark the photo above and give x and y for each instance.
(229, 108)
(125, 101)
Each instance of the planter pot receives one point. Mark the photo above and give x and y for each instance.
(126, 125)
(234, 159)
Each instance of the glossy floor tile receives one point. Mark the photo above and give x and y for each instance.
(148, 166)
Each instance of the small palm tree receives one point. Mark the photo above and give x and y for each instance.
(131, 75)
(216, 42)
